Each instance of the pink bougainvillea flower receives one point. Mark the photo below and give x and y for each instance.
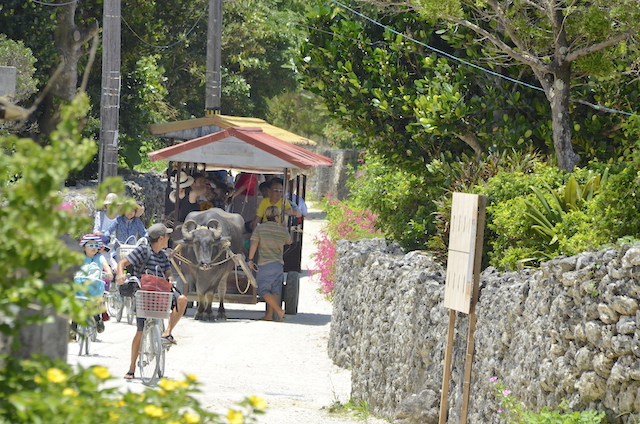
(65, 206)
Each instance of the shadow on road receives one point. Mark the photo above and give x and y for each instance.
(316, 215)
(255, 315)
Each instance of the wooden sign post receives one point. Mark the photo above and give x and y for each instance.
(466, 236)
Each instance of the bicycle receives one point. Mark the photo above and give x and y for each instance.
(127, 302)
(155, 307)
(115, 302)
(86, 333)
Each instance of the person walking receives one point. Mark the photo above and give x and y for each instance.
(268, 240)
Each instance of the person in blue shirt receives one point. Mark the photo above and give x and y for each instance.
(126, 226)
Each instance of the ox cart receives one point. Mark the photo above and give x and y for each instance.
(248, 150)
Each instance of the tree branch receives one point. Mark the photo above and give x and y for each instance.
(534, 5)
(472, 141)
(508, 26)
(525, 58)
(599, 46)
(87, 33)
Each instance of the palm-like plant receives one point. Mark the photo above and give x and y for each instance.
(555, 204)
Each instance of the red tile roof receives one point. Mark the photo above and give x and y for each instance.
(243, 148)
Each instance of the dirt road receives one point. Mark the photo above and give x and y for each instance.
(286, 363)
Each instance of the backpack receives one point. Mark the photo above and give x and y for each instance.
(90, 274)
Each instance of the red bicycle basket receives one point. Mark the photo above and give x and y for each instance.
(152, 304)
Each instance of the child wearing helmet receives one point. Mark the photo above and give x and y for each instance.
(92, 245)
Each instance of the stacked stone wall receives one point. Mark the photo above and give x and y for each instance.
(567, 332)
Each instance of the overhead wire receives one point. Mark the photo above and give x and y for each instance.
(488, 71)
(168, 46)
(55, 4)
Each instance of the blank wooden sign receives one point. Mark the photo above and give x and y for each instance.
(463, 232)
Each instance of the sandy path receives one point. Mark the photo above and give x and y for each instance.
(284, 362)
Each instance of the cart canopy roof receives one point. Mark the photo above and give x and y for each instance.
(243, 148)
(194, 128)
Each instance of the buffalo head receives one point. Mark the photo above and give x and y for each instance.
(207, 242)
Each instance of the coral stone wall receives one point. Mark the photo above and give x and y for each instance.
(569, 331)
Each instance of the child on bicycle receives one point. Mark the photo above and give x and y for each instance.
(152, 257)
(125, 226)
(94, 263)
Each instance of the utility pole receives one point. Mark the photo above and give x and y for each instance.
(110, 99)
(214, 59)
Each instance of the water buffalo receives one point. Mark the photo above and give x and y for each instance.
(207, 237)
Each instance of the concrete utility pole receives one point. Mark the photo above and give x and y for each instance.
(8, 76)
(110, 101)
(214, 59)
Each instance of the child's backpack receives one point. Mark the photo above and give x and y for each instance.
(90, 275)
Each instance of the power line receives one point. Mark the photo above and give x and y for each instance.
(584, 102)
(168, 46)
(55, 4)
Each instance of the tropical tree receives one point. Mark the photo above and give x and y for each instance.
(405, 103)
(16, 54)
(563, 43)
(70, 32)
(164, 58)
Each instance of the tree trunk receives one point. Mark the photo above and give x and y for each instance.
(69, 41)
(557, 89)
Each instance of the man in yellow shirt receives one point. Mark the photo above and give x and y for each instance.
(274, 199)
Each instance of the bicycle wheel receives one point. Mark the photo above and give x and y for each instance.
(92, 331)
(129, 305)
(120, 307)
(150, 349)
(83, 337)
(112, 304)
(163, 349)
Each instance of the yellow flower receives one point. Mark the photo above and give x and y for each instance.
(38, 379)
(191, 418)
(101, 372)
(119, 403)
(113, 416)
(167, 384)
(54, 375)
(257, 402)
(191, 378)
(173, 422)
(153, 411)
(235, 417)
(170, 385)
(69, 392)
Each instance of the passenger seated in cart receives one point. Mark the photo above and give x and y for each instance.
(145, 259)
(274, 199)
(198, 192)
(185, 202)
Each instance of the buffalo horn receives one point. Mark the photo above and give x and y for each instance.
(188, 228)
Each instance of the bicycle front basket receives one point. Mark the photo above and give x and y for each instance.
(151, 304)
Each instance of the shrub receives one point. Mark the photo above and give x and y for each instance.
(347, 222)
(402, 201)
(549, 213)
(513, 411)
(34, 220)
(50, 391)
